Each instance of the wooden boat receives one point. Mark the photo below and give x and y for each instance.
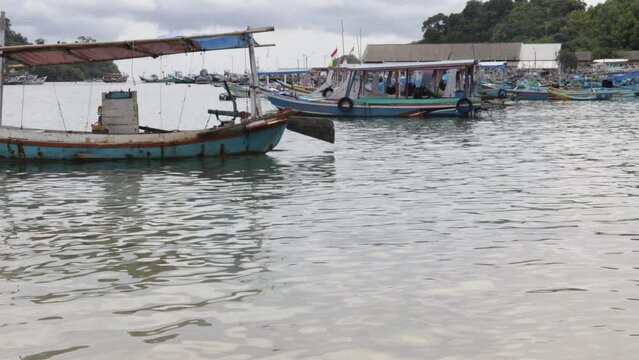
(494, 89)
(117, 134)
(114, 77)
(394, 90)
(178, 78)
(296, 88)
(16, 77)
(588, 95)
(151, 79)
(528, 93)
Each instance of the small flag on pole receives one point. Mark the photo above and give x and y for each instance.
(334, 53)
(352, 49)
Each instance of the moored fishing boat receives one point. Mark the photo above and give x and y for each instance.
(117, 134)
(588, 95)
(114, 77)
(496, 88)
(151, 79)
(439, 88)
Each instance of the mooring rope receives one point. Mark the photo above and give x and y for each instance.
(57, 99)
(22, 108)
(86, 126)
(185, 91)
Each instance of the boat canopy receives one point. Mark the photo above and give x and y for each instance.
(623, 76)
(283, 72)
(430, 65)
(610, 61)
(492, 64)
(51, 54)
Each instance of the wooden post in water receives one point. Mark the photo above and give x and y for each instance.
(2, 27)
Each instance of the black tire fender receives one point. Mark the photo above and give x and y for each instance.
(326, 91)
(464, 106)
(501, 93)
(345, 104)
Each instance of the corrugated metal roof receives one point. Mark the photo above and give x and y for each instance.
(632, 55)
(452, 64)
(433, 52)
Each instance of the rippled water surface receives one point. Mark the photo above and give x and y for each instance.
(515, 236)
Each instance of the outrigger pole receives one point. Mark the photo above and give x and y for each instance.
(2, 28)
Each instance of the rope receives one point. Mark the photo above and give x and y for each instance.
(207, 121)
(132, 52)
(86, 126)
(182, 109)
(59, 106)
(22, 108)
(185, 91)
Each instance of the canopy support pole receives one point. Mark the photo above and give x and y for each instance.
(2, 40)
(256, 108)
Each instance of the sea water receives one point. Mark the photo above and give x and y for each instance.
(512, 236)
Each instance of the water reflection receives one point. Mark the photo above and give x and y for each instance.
(112, 218)
(109, 230)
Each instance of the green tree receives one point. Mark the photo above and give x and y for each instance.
(605, 28)
(12, 37)
(568, 59)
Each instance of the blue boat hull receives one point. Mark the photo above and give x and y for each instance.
(239, 139)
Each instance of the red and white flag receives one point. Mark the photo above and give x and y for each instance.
(334, 53)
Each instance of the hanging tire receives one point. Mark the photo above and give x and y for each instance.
(345, 104)
(464, 106)
(327, 91)
(501, 94)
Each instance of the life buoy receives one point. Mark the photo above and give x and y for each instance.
(501, 93)
(328, 90)
(345, 104)
(464, 106)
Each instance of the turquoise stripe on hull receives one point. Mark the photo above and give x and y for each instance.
(259, 141)
(365, 110)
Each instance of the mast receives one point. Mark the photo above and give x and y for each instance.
(343, 49)
(2, 28)
(256, 108)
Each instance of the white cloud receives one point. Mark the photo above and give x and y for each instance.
(304, 29)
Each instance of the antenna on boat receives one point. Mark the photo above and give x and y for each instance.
(2, 28)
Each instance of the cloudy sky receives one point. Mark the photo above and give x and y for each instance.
(306, 31)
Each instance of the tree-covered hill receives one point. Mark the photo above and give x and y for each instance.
(75, 72)
(604, 28)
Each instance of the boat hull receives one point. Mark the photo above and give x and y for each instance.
(372, 107)
(529, 94)
(258, 136)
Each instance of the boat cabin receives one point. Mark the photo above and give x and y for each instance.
(438, 79)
